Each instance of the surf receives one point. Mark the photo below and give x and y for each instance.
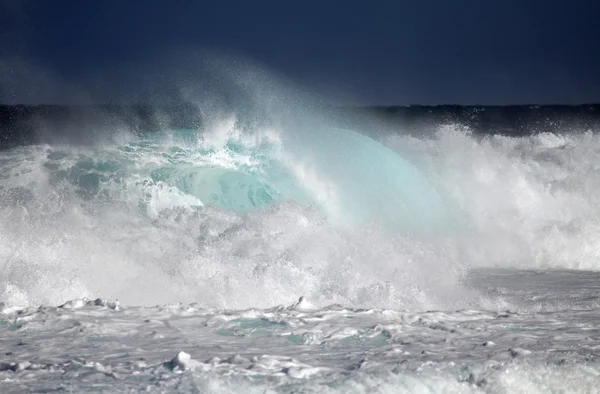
(268, 198)
(350, 178)
(213, 214)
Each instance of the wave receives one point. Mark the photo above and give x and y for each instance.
(271, 201)
(231, 217)
(225, 217)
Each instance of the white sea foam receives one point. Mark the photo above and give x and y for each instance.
(378, 255)
(528, 202)
(487, 331)
(304, 348)
(513, 202)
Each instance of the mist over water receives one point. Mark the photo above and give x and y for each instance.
(527, 202)
(237, 222)
(431, 260)
(269, 199)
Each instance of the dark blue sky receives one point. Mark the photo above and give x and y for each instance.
(377, 52)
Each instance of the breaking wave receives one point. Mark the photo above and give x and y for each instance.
(244, 212)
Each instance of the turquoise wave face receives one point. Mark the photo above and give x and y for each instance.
(348, 177)
(374, 183)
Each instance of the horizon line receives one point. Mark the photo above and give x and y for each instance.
(590, 104)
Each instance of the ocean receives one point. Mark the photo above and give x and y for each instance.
(285, 248)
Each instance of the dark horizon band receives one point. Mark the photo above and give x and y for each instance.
(32, 124)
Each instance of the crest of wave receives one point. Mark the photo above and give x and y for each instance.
(58, 244)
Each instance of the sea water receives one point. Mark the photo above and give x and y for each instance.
(300, 256)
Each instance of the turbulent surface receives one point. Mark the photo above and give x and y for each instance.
(444, 263)
(541, 346)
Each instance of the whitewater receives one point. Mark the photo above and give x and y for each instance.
(287, 253)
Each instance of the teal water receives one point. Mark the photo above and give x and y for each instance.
(346, 176)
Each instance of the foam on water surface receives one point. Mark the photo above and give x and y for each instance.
(422, 262)
(382, 311)
(99, 345)
(223, 217)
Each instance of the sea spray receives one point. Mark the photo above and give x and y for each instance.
(235, 221)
